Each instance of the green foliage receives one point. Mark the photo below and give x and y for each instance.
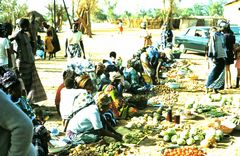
(99, 16)
(60, 12)
(213, 9)
(10, 10)
(111, 6)
(216, 9)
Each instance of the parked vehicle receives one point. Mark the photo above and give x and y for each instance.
(196, 38)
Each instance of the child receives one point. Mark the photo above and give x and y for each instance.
(48, 45)
(40, 47)
(237, 65)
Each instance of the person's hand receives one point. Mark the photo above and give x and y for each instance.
(118, 136)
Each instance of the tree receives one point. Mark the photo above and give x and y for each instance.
(216, 9)
(111, 6)
(84, 11)
(10, 10)
(61, 14)
(100, 16)
(168, 19)
(128, 16)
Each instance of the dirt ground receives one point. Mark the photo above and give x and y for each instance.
(98, 48)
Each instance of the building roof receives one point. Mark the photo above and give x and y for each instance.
(229, 3)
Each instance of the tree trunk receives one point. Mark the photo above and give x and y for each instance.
(89, 28)
(168, 19)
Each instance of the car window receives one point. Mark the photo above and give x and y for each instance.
(191, 32)
(201, 33)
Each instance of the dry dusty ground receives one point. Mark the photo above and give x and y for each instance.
(125, 45)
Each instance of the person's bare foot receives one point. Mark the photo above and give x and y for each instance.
(215, 91)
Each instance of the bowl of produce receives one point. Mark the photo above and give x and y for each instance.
(173, 85)
(227, 127)
(189, 115)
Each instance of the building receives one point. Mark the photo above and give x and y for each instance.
(232, 12)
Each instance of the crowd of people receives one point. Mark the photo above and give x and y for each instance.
(90, 98)
(22, 127)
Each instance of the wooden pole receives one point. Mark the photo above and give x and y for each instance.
(54, 14)
(67, 14)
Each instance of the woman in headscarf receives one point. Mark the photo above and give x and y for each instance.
(41, 135)
(86, 124)
(150, 60)
(115, 90)
(101, 76)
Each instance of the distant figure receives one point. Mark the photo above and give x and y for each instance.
(55, 41)
(49, 48)
(120, 26)
(74, 47)
(40, 47)
(147, 37)
(166, 37)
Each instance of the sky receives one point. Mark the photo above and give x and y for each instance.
(123, 5)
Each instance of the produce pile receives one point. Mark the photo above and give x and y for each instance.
(107, 149)
(184, 151)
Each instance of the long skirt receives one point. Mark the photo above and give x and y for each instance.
(32, 82)
(216, 75)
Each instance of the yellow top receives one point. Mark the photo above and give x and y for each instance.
(48, 44)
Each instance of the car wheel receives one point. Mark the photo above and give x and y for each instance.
(182, 48)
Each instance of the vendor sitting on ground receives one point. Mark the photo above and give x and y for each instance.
(68, 95)
(149, 60)
(66, 74)
(115, 90)
(112, 63)
(132, 78)
(41, 135)
(101, 76)
(87, 125)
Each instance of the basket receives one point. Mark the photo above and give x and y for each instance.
(225, 129)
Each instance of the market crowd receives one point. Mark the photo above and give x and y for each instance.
(90, 99)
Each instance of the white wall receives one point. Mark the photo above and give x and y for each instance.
(232, 12)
